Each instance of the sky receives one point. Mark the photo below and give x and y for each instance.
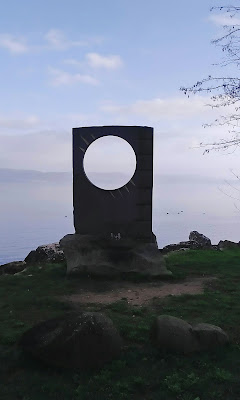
(76, 63)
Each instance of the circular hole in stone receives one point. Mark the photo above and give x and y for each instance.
(109, 162)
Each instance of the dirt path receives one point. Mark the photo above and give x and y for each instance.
(135, 293)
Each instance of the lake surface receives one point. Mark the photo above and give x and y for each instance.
(41, 212)
(18, 236)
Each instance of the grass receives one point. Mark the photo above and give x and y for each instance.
(142, 372)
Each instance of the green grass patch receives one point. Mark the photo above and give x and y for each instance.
(142, 372)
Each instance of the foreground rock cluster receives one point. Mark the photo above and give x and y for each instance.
(176, 335)
(89, 340)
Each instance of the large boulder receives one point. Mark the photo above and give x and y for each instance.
(83, 340)
(97, 256)
(13, 267)
(48, 253)
(202, 240)
(227, 245)
(209, 336)
(173, 334)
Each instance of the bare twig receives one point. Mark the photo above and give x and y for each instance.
(225, 91)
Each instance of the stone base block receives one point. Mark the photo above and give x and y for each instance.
(97, 256)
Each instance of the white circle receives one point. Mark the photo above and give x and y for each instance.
(109, 162)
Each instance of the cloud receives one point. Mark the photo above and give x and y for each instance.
(58, 41)
(28, 122)
(14, 44)
(96, 60)
(224, 19)
(60, 78)
(54, 39)
(73, 62)
(159, 108)
(43, 150)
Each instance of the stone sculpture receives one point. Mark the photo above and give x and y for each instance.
(113, 227)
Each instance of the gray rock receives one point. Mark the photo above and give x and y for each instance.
(209, 336)
(227, 244)
(173, 334)
(190, 244)
(83, 340)
(12, 268)
(182, 249)
(48, 253)
(202, 240)
(176, 335)
(98, 256)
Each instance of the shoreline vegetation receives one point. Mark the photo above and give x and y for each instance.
(142, 372)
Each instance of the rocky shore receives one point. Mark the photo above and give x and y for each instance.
(52, 253)
(198, 241)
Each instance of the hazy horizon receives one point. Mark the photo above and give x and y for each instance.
(36, 208)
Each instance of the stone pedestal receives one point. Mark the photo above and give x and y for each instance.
(114, 257)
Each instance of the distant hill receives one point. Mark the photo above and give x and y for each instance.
(8, 175)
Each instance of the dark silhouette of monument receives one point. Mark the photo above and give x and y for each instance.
(127, 210)
(113, 227)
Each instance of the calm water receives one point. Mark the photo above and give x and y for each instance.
(36, 214)
(18, 237)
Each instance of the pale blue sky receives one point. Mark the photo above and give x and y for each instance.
(82, 63)
(74, 57)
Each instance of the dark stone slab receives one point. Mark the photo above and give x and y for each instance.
(107, 212)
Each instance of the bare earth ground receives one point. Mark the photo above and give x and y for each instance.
(134, 293)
